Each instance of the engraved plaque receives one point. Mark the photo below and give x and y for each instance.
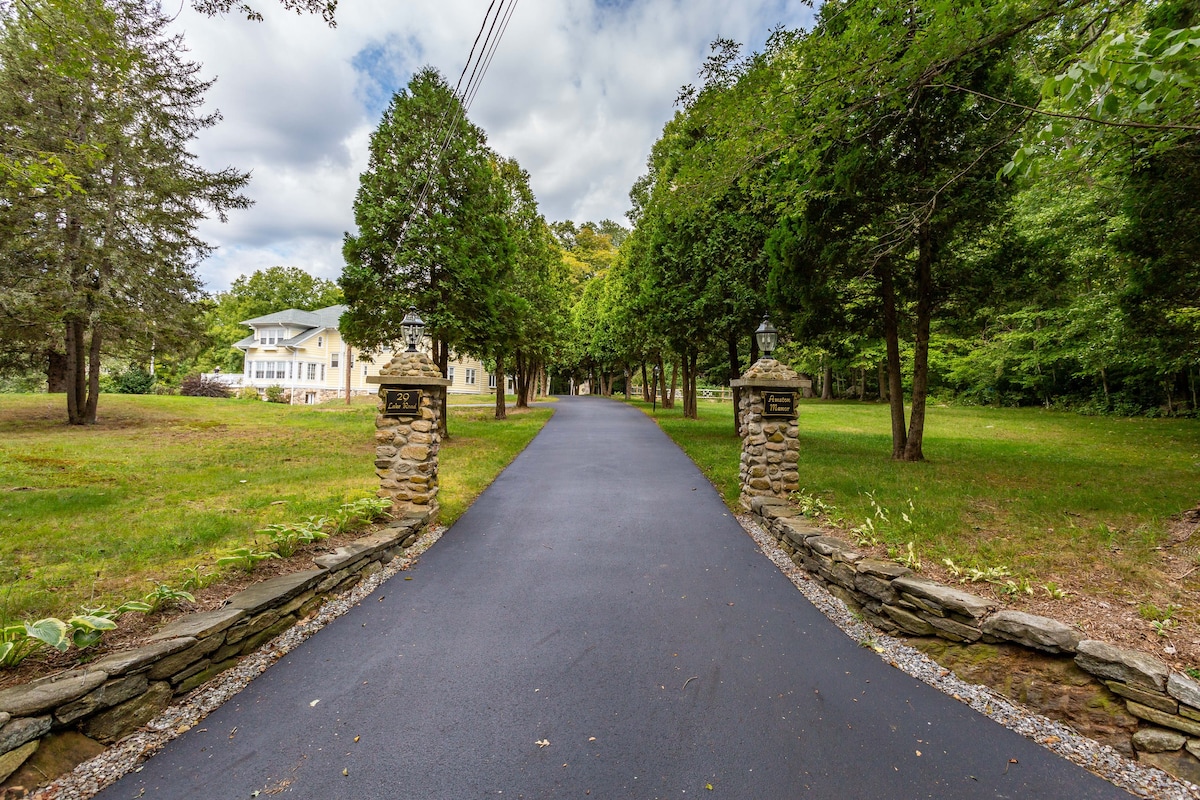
(401, 402)
(779, 404)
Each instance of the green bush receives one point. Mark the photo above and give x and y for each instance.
(277, 394)
(134, 380)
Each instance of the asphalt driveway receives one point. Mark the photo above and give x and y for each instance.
(596, 625)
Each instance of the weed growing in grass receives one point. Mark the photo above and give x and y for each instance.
(1193, 673)
(89, 627)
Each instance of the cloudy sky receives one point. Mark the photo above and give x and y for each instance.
(578, 92)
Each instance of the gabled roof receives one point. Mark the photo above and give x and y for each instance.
(321, 318)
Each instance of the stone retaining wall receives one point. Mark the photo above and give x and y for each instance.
(113, 696)
(890, 596)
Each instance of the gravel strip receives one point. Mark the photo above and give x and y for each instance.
(127, 755)
(1138, 779)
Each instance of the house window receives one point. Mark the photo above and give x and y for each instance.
(320, 341)
(450, 373)
(364, 370)
(310, 398)
(470, 378)
(312, 372)
(333, 360)
(322, 372)
(350, 359)
(491, 380)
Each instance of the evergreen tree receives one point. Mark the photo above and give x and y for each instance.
(107, 265)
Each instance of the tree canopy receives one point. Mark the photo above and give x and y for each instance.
(106, 266)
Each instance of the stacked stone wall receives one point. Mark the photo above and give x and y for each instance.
(113, 696)
(1165, 704)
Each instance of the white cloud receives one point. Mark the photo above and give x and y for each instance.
(578, 93)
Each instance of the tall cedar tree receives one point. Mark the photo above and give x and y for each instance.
(106, 266)
(443, 247)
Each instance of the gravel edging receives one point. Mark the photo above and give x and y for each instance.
(1138, 779)
(126, 756)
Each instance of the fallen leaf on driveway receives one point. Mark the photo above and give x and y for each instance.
(314, 702)
(542, 742)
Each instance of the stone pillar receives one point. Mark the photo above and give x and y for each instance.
(411, 388)
(767, 423)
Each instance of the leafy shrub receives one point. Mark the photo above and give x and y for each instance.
(248, 393)
(286, 537)
(199, 386)
(277, 394)
(134, 380)
(164, 596)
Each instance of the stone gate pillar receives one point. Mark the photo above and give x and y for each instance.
(411, 388)
(767, 423)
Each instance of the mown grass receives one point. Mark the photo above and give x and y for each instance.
(1054, 497)
(95, 514)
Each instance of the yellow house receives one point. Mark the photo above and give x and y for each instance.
(303, 353)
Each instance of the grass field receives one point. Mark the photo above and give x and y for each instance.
(1055, 498)
(92, 515)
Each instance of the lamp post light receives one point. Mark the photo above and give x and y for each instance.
(767, 337)
(412, 327)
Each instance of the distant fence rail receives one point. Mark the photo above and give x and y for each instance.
(702, 393)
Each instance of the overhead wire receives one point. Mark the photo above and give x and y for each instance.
(448, 125)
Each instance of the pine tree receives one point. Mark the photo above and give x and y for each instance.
(105, 263)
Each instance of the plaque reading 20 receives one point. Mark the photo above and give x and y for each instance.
(401, 402)
(779, 404)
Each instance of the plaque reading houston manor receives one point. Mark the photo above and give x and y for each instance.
(401, 402)
(779, 404)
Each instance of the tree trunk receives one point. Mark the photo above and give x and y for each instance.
(827, 382)
(522, 370)
(349, 370)
(647, 389)
(501, 411)
(883, 377)
(690, 409)
(916, 424)
(891, 336)
(661, 383)
(73, 340)
(670, 401)
(56, 372)
(734, 373)
(441, 358)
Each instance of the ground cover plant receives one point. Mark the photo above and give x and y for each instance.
(1083, 518)
(164, 487)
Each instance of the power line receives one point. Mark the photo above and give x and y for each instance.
(452, 116)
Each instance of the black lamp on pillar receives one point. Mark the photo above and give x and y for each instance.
(767, 337)
(412, 326)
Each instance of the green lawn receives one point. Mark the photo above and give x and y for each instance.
(94, 514)
(1083, 502)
